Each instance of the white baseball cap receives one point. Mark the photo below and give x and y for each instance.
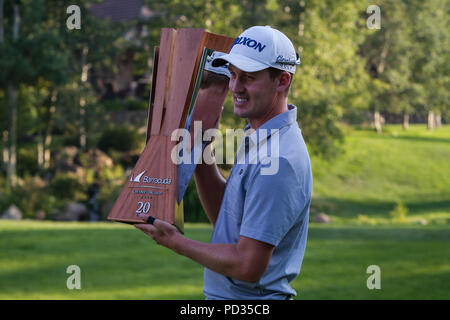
(260, 47)
(222, 69)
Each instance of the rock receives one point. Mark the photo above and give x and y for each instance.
(73, 160)
(12, 213)
(67, 159)
(98, 159)
(37, 182)
(321, 218)
(40, 215)
(74, 211)
(423, 222)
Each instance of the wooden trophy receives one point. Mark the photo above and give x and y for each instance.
(152, 188)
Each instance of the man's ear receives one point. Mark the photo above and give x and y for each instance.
(284, 81)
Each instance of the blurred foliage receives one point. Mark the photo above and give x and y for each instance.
(134, 105)
(399, 213)
(123, 105)
(119, 138)
(30, 196)
(347, 72)
(67, 186)
(193, 210)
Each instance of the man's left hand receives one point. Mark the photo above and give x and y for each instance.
(162, 232)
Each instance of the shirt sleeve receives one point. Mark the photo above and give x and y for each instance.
(273, 204)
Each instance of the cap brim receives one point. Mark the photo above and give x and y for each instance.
(223, 71)
(241, 62)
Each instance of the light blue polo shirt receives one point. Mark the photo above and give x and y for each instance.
(267, 200)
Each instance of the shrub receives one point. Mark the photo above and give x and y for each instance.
(364, 219)
(193, 210)
(133, 104)
(67, 186)
(119, 138)
(27, 163)
(399, 213)
(114, 105)
(30, 196)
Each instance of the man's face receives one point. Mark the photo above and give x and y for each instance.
(254, 93)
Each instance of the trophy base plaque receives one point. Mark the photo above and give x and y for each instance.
(151, 188)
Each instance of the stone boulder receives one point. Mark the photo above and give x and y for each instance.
(71, 159)
(12, 213)
(98, 159)
(74, 211)
(40, 215)
(422, 222)
(321, 218)
(67, 159)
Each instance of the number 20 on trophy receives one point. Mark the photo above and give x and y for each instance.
(143, 207)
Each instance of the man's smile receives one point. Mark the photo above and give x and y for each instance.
(239, 100)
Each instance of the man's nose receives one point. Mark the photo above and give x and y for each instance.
(236, 86)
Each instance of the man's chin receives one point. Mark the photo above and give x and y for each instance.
(240, 113)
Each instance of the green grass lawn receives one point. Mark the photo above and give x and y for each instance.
(358, 190)
(119, 262)
(376, 172)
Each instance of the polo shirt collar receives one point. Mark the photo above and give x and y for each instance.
(279, 121)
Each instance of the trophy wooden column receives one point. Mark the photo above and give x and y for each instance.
(152, 187)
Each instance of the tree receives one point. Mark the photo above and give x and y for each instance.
(33, 56)
(38, 50)
(409, 56)
(95, 46)
(331, 79)
(11, 91)
(388, 53)
(431, 59)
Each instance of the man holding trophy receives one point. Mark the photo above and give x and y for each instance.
(260, 217)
